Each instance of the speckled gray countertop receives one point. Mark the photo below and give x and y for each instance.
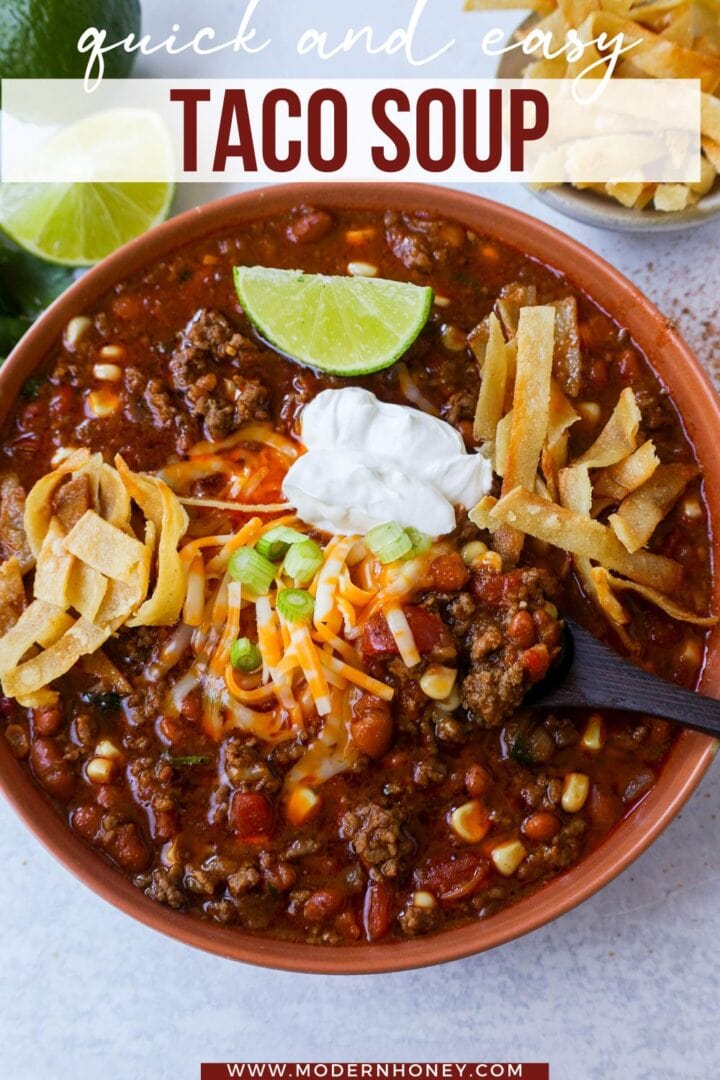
(623, 988)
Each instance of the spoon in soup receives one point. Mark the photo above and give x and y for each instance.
(591, 675)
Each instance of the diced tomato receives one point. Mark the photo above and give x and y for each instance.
(454, 876)
(428, 629)
(494, 590)
(535, 662)
(251, 815)
(377, 910)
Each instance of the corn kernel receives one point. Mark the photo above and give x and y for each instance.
(507, 857)
(362, 269)
(438, 682)
(102, 403)
(589, 411)
(356, 237)
(424, 899)
(100, 770)
(108, 372)
(576, 788)
(107, 749)
(453, 339)
(472, 552)
(301, 805)
(594, 735)
(491, 561)
(470, 821)
(112, 352)
(450, 703)
(551, 610)
(692, 508)
(442, 301)
(210, 260)
(75, 329)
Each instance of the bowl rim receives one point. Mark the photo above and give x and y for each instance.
(699, 407)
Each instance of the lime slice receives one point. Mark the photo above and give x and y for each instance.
(341, 325)
(78, 224)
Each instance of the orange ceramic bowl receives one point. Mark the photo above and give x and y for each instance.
(700, 408)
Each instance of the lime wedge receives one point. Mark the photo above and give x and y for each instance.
(78, 224)
(341, 325)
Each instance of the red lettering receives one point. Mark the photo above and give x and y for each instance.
(448, 139)
(381, 159)
(339, 129)
(471, 128)
(270, 134)
(520, 132)
(190, 100)
(235, 113)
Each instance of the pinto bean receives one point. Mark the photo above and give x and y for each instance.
(323, 904)
(86, 820)
(251, 815)
(55, 774)
(377, 910)
(18, 740)
(477, 779)
(309, 226)
(541, 827)
(128, 849)
(522, 629)
(448, 573)
(371, 726)
(48, 720)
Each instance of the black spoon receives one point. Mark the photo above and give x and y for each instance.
(591, 675)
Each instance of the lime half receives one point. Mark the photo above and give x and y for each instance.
(78, 224)
(341, 325)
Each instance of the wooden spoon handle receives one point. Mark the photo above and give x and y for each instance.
(596, 678)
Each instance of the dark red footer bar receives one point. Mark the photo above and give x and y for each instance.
(479, 1070)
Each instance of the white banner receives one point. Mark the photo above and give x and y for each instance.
(454, 130)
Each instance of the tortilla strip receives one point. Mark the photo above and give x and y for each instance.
(530, 412)
(54, 567)
(491, 398)
(38, 506)
(580, 535)
(113, 499)
(642, 511)
(567, 356)
(82, 638)
(108, 549)
(163, 509)
(607, 601)
(502, 444)
(41, 700)
(513, 298)
(710, 117)
(576, 494)
(86, 590)
(39, 624)
(665, 603)
(12, 595)
(615, 482)
(619, 436)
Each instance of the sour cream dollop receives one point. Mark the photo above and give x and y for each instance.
(369, 462)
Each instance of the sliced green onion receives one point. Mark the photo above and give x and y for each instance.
(275, 543)
(420, 541)
(252, 569)
(295, 605)
(303, 561)
(245, 655)
(389, 542)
